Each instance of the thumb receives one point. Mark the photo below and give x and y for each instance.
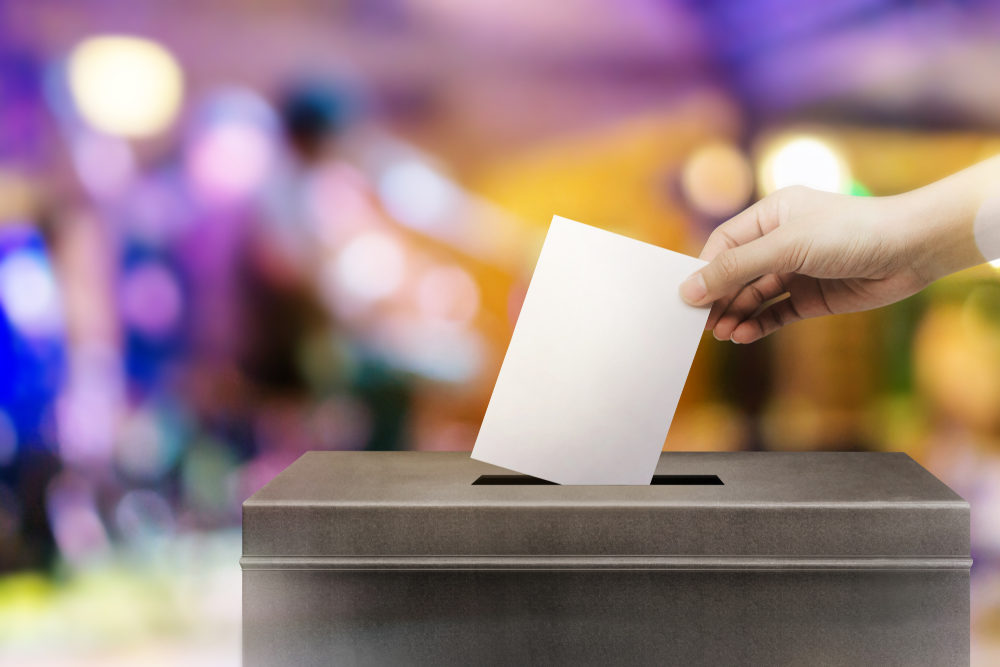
(734, 268)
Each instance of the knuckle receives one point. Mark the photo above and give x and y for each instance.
(728, 264)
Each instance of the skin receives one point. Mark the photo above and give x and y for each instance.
(801, 253)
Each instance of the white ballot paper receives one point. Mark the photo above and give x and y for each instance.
(597, 361)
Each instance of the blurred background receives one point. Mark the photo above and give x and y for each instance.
(235, 230)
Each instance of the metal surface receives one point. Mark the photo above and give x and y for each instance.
(796, 558)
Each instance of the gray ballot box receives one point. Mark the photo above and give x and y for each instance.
(411, 558)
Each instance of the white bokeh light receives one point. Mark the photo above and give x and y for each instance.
(417, 195)
(127, 86)
(370, 267)
(29, 294)
(805, 161)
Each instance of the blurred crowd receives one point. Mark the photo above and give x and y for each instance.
(235, 231)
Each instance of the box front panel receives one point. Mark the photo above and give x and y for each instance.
(638, 617)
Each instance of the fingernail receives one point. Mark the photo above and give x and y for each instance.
(693, 289)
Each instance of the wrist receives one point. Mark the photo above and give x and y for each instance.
(938, 223)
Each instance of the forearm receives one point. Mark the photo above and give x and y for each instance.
(954, 222)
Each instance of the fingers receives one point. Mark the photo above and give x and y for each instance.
(767, 322)
(730, 270)
(746, 303)
(746, 226)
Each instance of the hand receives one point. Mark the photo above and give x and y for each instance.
(801, 253)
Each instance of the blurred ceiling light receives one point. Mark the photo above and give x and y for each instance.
(104, 164)
(125, 86)
(448, 293)
(417, 195)
(29, 295)
(717, 179)
(370, 267)
(805, 161)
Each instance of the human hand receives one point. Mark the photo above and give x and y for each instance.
(801, 253)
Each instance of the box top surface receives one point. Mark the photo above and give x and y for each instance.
(789, 503)
(445, 478)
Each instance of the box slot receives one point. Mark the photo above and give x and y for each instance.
(658, 480)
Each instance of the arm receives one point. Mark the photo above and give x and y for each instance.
(801, 253)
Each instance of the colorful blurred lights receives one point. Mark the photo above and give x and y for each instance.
(805, 161)
(127, 86)
(371, 266)
(717, 179)
(29, 295)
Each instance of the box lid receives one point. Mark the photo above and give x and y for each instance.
(357, 507)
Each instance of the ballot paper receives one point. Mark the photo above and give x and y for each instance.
(597, 361)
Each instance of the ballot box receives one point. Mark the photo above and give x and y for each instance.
(411, 558)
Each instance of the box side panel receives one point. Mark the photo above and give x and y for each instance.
(900, 529)
(322, 617)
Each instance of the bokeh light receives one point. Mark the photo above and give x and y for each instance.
(370, 267)
(717, 179)
(147, 445)
(104, 164)
(143, 514)
(232, 148)
(417, 195)
(448, 293)
(804, 160)
(71, 504)
(29, 294)
(151, 299)
(124, 85)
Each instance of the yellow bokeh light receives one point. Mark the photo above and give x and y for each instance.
(717, 179)
(125, 86)
(804, 160)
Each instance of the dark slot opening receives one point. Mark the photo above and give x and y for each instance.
(527, 480)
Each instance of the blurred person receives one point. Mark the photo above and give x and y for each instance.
(801, 253)
(285, 317)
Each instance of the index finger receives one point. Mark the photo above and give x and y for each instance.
(751, 223)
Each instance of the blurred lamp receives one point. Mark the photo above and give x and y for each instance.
(125, 86)
(717, 179)
(805, 161)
